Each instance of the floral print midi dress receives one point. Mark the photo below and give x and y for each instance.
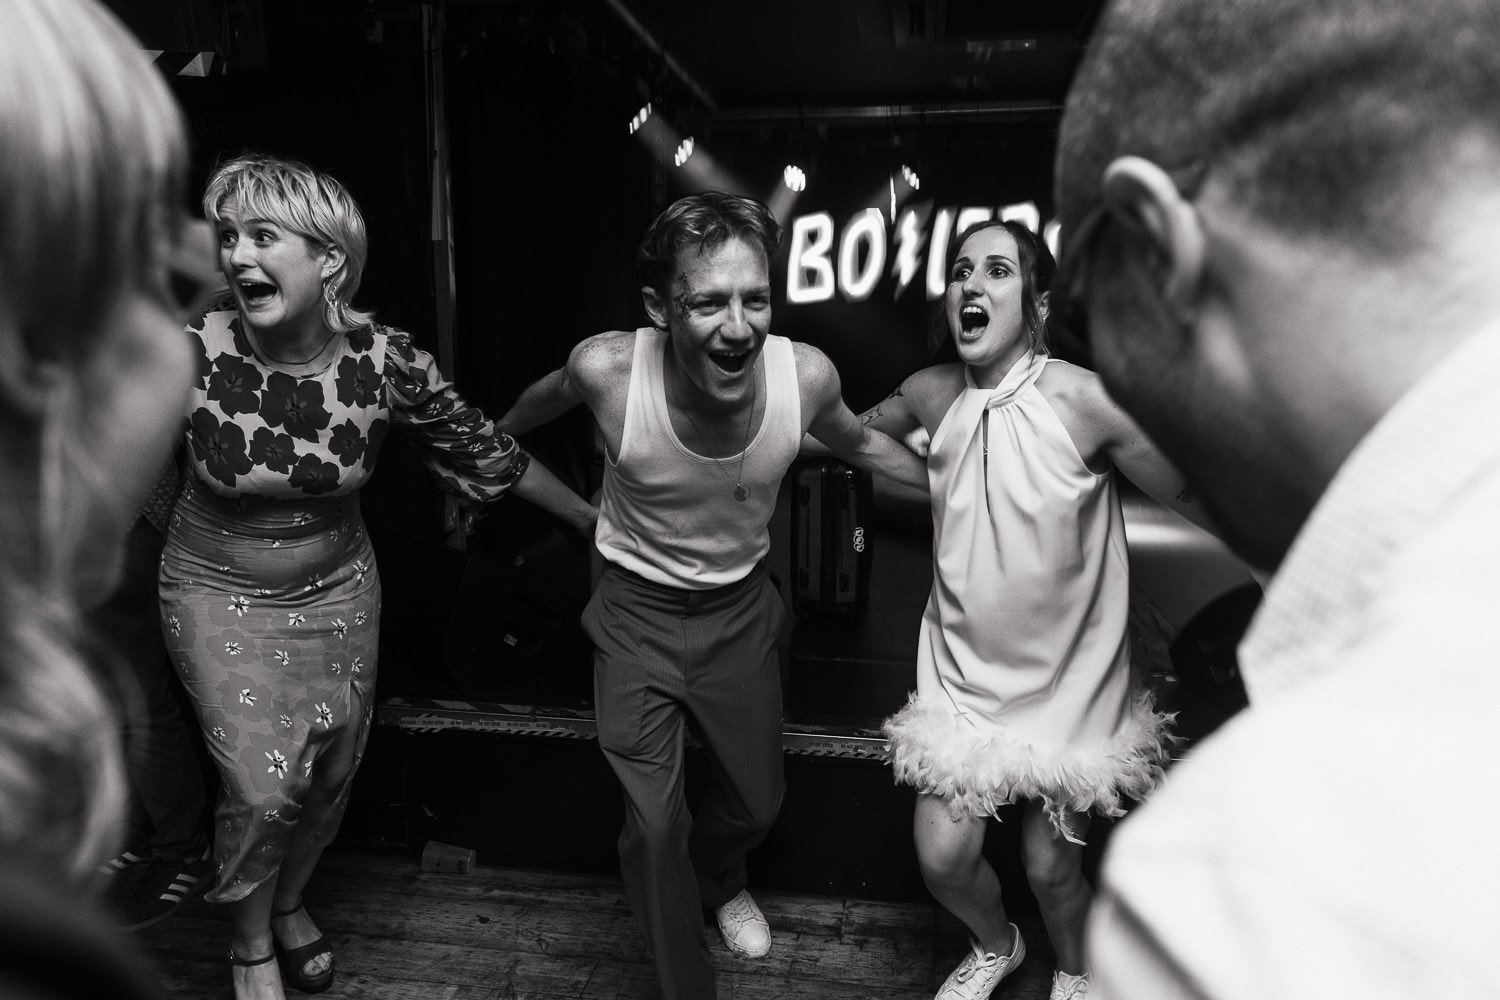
(269, 590)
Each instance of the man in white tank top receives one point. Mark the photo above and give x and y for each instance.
(701, 414)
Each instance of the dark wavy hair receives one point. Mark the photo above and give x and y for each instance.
(705, 220)
(1037, 267)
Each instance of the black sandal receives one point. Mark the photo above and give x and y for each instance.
(293, 959)
(247, 962)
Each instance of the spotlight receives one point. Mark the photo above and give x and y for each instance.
(640, 117)
(794, 178)
(911, 178)
(684, 150)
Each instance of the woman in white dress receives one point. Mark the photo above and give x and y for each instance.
(1024, 687)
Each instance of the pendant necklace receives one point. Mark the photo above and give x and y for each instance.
(741, 491)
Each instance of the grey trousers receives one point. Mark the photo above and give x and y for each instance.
(666, 661)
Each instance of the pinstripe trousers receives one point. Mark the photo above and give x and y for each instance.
(668, 661)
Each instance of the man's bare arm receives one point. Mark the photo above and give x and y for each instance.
(541, 487)
(891, 416)
(546, 399)
(836, 426)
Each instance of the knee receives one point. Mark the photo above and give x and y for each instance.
(656, 833)
(329, 776)
(944, 865)
(1053, 876)
(761, 810)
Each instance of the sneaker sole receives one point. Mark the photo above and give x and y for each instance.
(745, 952)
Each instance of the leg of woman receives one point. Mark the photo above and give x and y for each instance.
(250, 918)
(1054, 869)
(334, 768)
(950, 853)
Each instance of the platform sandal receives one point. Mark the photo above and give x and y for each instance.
(293, 959)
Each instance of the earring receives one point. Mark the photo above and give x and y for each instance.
(328, 295)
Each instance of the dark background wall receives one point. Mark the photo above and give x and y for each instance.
(549, 194)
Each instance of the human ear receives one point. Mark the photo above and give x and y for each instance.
(656, 306)
(333, 259)
(1145, 199)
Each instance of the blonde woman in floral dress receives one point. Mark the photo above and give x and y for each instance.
(270, 593)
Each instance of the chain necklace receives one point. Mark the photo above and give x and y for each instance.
(741, 491)
(261, 346)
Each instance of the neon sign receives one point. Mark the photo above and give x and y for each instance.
(816, 270)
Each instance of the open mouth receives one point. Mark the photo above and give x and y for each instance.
(972, 318)
(257, 293)
(732, 362)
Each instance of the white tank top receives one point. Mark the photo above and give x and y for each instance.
(668, 513)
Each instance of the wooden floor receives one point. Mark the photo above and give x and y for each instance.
(501, 934)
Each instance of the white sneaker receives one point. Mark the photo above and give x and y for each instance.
(744, 927)
(1076, 988)
(981, 971)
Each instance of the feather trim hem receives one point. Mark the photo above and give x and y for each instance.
(939, 753)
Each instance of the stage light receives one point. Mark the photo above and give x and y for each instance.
(911, 177)
(640, 117)
(684, 150)
(794, 178)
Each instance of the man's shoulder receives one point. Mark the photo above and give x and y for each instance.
(1382, 718)
(814, 369)
(604, 355)
(1277, 821)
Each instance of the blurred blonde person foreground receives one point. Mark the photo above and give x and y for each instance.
(97, 260)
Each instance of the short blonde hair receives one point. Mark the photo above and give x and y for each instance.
(92, 172)
(307, 202)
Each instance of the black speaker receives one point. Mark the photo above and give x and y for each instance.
(833, 540)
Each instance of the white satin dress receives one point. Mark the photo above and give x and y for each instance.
(1024, 685)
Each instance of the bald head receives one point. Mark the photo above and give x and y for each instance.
(1259, 313)
(1319, 117)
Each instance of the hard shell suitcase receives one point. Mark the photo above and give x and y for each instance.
(832, 547)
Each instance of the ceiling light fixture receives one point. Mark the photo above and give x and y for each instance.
(640, 117)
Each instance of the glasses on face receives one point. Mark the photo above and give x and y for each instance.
(192, 272)
(1069, 293)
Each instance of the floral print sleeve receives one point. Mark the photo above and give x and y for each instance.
(459, 444)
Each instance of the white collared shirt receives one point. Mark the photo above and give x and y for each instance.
(1336, 838)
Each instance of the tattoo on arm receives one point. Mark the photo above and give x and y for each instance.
(875, 412)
